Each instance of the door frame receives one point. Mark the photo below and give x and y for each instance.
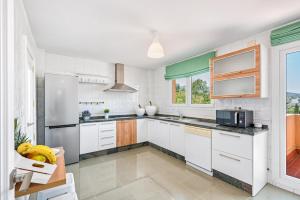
(278, 160)
(29, 54)
(6, 97)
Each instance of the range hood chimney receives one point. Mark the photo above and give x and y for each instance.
(119, 85)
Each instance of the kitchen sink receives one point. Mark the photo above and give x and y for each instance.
(171, 118)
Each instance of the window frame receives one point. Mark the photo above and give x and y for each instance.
(188, 96)
(186, 92)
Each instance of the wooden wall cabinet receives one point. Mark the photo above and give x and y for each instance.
(240, 74)
(126, 132)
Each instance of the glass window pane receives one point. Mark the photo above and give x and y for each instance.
(200, 89)
(179, 91)
(292, 114)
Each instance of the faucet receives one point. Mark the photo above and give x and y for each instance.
(180, 114)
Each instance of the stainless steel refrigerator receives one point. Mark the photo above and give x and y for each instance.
(61, 114)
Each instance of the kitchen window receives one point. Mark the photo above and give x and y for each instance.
(179, 91)
(193, 91)
(200, 89)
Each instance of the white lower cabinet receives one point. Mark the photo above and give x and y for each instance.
(152, 130)
(107, 135)
(242, 157)
(97, 136)
(88, 138)
(142, 130)
(234, 166)
(163, 134)
(177, 139)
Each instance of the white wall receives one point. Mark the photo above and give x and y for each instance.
(22, 28)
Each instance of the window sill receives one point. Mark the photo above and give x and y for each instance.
(212, 105)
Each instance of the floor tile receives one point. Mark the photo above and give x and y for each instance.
(148, 174)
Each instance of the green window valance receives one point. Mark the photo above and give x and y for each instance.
(190, 67)
(288, 33)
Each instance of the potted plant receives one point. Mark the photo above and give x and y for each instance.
(86, 115)
(106, 113)
(20, 137)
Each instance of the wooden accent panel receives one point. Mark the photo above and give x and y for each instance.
(58, 178)
(173, 91)
(255, 71)
(126, 132)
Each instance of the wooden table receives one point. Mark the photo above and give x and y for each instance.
(57, 178)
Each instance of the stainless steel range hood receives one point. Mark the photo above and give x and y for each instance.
(119, 85)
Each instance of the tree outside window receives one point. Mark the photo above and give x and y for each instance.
(179, 91)
(200, 91)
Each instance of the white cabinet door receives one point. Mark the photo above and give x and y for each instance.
(88, 137)
(142, 130)
(163, 135)
(198, 150)
(177, 144)
(152, 127)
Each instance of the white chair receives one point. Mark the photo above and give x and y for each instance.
(67, 196)
(67, 190)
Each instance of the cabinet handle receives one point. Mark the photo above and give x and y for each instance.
(230, 157)
(103, 145)
(107, 130)
(88, 124)
(163, 122)
(236, 136)
(108, 137)
(175, 124)
(106, 123)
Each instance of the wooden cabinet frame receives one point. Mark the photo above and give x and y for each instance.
(252, 71)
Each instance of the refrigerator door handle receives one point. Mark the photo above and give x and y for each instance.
(62, 126)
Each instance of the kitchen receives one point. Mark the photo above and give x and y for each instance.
(133, 112)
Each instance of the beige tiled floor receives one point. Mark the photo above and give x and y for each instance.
(148, 174)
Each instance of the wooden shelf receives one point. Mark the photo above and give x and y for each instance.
(58, 178)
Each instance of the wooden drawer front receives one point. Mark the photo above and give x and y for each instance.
(234, 166)
(198, 131)
(233, 143)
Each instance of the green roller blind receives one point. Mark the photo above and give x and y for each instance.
(286, 34)
(196, 65)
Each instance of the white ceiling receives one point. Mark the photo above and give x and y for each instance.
(120, 30)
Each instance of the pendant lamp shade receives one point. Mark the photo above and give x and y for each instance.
(155, 49)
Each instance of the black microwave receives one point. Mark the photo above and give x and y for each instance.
(235, 118)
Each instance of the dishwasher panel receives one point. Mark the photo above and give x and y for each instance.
(198, 148)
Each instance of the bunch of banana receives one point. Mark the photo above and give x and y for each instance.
(40, 153)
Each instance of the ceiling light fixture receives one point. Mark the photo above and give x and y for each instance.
(155, 49)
